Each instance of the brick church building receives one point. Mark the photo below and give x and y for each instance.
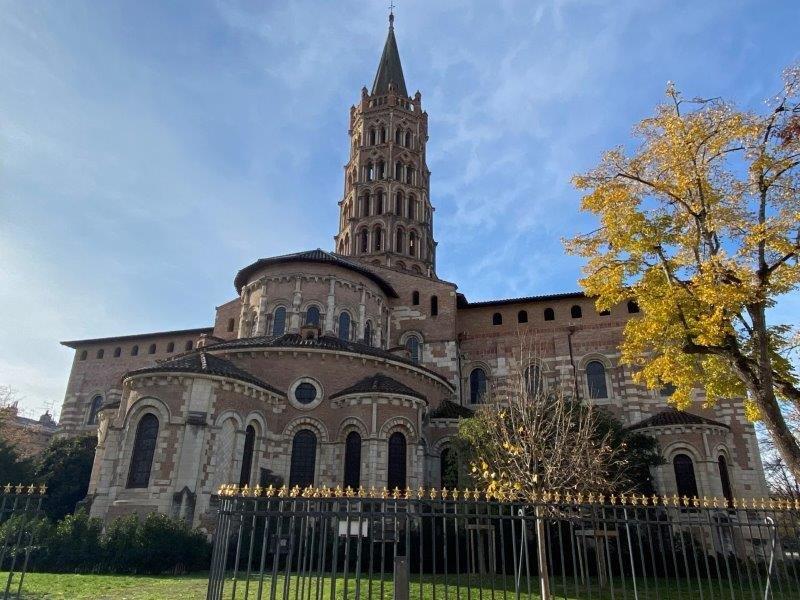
(353, 366)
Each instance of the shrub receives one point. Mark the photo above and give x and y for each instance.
(154, 545)
(74, 544)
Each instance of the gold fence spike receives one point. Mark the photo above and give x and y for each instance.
(20, 488)
(432, 493)
(42, 489)
(445, 493)
(283, 491)
(7, 488)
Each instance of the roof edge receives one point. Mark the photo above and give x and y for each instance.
(121, 338)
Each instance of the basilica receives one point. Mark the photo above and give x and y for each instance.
(353, 366)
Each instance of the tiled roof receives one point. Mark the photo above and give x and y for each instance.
(318, 256)
(379, 383)
(675, 417)
(450, 410)
(208, 364)
(323, 342)
(136, 336)
(389, 69)
(464, 303)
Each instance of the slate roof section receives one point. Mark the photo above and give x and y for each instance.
(124, 338)
(462, 301)
(315, 256)
(379, 383)
(671, 417)
(450, 410)
(206, 364)
(389, 69)
(323, 342)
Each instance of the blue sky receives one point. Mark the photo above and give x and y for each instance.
(148, 149)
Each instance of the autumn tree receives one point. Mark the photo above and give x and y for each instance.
(700, 225)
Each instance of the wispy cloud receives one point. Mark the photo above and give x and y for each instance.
(149, 150)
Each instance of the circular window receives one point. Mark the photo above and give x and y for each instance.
(305, 393)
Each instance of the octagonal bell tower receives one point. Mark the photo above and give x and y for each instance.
(385, 215)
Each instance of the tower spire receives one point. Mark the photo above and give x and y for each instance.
(389, 69)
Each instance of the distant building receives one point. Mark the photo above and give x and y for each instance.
(353, 367)
(29, 436)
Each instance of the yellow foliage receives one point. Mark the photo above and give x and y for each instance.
(700, 244)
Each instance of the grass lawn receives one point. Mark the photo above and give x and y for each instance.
(50, 586)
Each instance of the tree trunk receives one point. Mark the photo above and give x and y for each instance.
(782, 436)
(762, 386)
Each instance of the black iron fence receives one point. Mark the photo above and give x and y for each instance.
(325, 544)
(19, 507)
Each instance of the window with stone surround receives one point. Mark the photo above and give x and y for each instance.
(312, 316)
(533, 380)
(344, 326)
(231, 324)
(413, 346)
(304, 458)
(189, 345)
(279, 321)
(415, 298)
(151, 349)
(84, 354)
(575, 312)
(633, 307)
(247, 456)
(725, 479)
(497, 319)
(549, 314)
(171, 347)
(522, 316)
(94, 408)
(352, 460)
(434, 306)
(135, 351)
(117, 352)
(685, 479)
(396, 475)
(596, 379)
(100, 354)
(477, 385)
(144, 447)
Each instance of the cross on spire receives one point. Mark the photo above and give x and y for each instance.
(391, 13)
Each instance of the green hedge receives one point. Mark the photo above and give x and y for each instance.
(78, 544)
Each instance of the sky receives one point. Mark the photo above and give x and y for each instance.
(149, 149)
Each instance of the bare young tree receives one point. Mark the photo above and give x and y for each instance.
(529, 439)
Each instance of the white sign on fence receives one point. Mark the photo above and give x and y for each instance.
(354, 528)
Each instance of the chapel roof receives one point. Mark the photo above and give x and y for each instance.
(462, 301)
(323, 342)
(124, 338)
(315, 256)
(672, 416)
(207, 364)
(389, 69)
(450, 410)
(379, 383)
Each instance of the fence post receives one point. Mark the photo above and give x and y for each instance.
(541, 545)
(400, 578)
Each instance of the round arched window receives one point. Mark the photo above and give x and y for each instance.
(305, 393)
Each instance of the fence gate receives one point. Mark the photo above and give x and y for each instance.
(326, 545)
(19, 508)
